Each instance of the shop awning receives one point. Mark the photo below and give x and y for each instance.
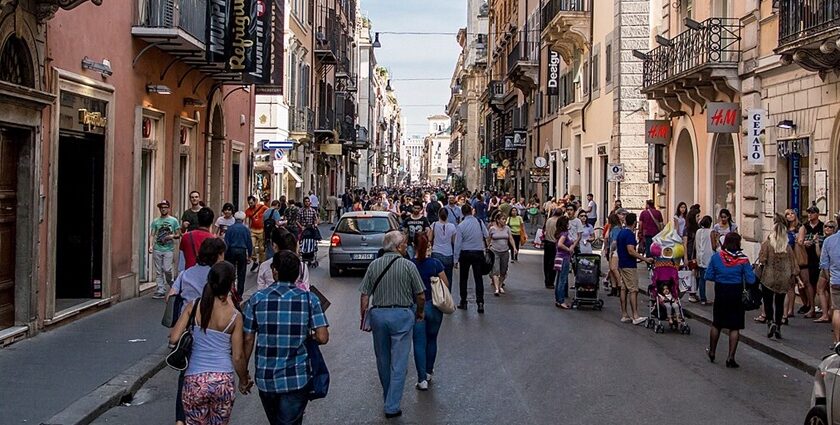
(295, 175)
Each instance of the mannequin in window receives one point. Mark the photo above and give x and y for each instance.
(730, 196)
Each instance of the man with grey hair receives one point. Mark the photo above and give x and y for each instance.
(395, 292)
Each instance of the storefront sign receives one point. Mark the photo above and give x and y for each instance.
(755, 126)
(520, 139)
(795, 182)
(262, 21)
(553, 73)
(92, 119)
(657, 132)
(272, 83)
(723, 117)
(241, 36)
(509, 143)
(331, 148)
(217, 23)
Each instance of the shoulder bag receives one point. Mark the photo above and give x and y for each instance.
(179, 357)
(366, 320)
(751, 294)
(173, 309)
(489, 255)
(441, 297)
(319, 383)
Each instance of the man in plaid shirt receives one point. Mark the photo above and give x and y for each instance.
(279, 319)
(308, 214)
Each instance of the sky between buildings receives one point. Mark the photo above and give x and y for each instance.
(418, 56)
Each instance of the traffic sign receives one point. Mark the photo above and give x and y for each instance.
(277, 144)
(505, 163)
(279, 154)
(278, 166)
(615, 172)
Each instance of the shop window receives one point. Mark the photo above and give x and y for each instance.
(724, 185)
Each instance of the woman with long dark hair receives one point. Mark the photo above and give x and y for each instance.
(426, 330)
(209, 389)
(730, 269)
(792, 223)
(562, 262)
(680, 218)
(611, 253)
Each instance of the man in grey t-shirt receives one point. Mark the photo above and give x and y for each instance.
(591, 210)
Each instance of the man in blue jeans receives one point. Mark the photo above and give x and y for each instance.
(279, 319)
(392, 286)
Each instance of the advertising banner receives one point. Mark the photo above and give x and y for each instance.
(553, 73)
(723, 117)
(217, 24)
(272, 81)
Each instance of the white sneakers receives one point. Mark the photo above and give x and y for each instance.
(422, 385)
(429, 377)
(639, 320)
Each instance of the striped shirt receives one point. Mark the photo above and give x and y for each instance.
(398, 286)
(470, 237)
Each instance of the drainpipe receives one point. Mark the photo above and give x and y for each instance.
(591, 37)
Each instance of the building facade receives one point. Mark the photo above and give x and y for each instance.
(93, 139)
(436, 150)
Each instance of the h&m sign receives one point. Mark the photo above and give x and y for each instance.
(657, 132)
(723, 117)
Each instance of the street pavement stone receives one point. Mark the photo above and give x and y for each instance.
(527, 362)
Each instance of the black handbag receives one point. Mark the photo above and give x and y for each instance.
(319, 384)
(751, 295)
(179, 357)
(489, 258)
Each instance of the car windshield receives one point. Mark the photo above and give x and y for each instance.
(363, 225)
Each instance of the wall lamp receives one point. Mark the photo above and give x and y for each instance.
(376, 43)
(692, 24)
(158, 89)
(103, 67)
(786, 125)
(638, 54)
(663, 41)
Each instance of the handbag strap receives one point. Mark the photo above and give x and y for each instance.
(381, 275)
(192, 314)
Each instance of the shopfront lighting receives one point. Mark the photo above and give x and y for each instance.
(376, 43)
(786, 125)
(158, 89)
(103, 67)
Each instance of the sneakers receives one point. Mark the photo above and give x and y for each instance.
(159, 295)
(625, 320)
(422, 385)
(429, 377)
(693, 298)
(639, 320)
(462, 305)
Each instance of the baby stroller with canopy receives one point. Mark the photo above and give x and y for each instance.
(665, 293)
(309, 246)
(587, 278)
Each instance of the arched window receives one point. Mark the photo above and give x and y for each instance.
(16, 63)
(724, 184)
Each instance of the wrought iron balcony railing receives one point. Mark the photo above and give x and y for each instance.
(301, 120)
(805, 18)
(714, 42)
(554, 7)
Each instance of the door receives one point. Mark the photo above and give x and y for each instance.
(79, 218)
(146, 172)
(234, 178)
(9, 149)
(605, 189)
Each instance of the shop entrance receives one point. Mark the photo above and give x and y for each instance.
(79, 220)
(683, 174)
(724, 182)
(11, 141)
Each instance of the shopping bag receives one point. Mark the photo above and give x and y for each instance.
(441, 298)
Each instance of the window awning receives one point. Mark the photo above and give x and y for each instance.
(295, 175)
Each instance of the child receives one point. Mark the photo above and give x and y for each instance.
(669, 301)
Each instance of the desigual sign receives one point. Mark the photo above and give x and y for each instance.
(553, 73)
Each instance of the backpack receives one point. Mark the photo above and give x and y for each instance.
(270, 224)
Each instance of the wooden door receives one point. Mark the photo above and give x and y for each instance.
(9, 148)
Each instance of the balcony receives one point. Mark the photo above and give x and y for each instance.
(327, 38)
(46, 9)
(522, 63)
(807, 33)
(301, 122)
(326, 119)
(694, 66)
(495, 93)
(175, 25)
(565, 26)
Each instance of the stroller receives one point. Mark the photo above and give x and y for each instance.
(665, 293)
(309, 246)
(587, 279)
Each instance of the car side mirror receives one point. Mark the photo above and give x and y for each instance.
(332, 228)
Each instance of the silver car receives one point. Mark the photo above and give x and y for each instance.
(357, 239)
(824, 409)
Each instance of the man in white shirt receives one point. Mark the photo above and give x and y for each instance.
(591, 210)
(314, 200)
(575, 225)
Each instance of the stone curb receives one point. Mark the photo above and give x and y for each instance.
(86, 409)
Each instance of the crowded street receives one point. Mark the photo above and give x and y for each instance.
(526, 362)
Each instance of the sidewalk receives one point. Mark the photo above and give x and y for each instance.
(47, 373)
(802, 346)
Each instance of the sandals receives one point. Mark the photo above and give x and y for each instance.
(822, 320)
(562, 306)
(760, 319)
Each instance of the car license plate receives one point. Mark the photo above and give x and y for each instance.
(363, 256)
